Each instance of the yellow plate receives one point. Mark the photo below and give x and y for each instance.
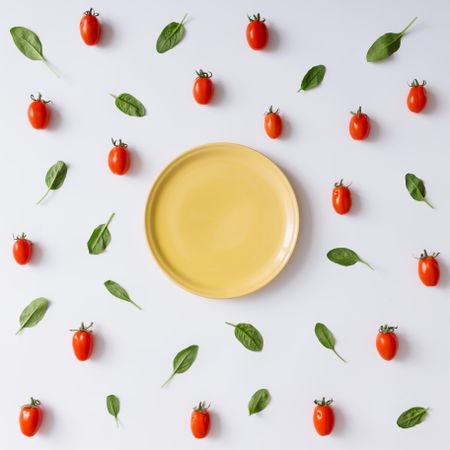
(222, 220)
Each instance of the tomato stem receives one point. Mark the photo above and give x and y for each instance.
(408, 26)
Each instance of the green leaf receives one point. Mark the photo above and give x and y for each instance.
(118, 291)
(28, 43)
(113, 405)
(345, 257)
(129, 105)
(183, 361)
(100, 238)
(54, 178)
(326, 338)
(33, 313)
(386, 45)
(416, 188)
(313, 78)
(412, 417)
(170, 36)
(248, 336)
(259, 401)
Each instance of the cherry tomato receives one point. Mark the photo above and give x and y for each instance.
(257, 34)
(90, 28)
(203, 87)
(273, 123)
(119, 158)
(417, 97)
(200, 421)
(323, 417)
(38, 112)
(387, 342)
(342, 198)
(428, 268)
(30, 417)
(359, 125)
(83, 342)
(22, 249)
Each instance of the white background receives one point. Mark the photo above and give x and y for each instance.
(134, 349)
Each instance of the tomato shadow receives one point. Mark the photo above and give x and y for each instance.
(38, 255)
(99, 346)
(340, 422)
(216, 426)
(219, 93)
(302, 250)
(444, 278)
(55, 119)
(136, 165)
(404, 349)
(48, 421)
(375, 131)
(356, 204)
(287, 129)
(432, 103)
(107, 35)
(274, 41)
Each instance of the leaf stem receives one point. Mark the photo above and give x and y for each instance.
(113, 96)
(19, 330)
(408, 26)
(168, 379)
(366, 263)
(231, 324)
(428, 203)
(135, 304)
(339, 356)
(185, 15)
(42, 198)
(117, 421)
(109, 220)
(51, 68)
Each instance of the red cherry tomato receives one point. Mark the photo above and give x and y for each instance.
(90, 28)
(428, 268)
(38, 112)
(323, 417)
(387, 342)
(83, 342)
(273, 123)
(203, 87)
(119, 158)
(30, 417)
(200, 421)
(22, 249)
(341, 198)
(417, 97)
(359, 125)
(257, 34)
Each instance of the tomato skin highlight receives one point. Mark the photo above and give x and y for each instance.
(323, 417)
(257, 33)
(417, 96)
(200, 421)
(341, 198)
(203, 89)
(359, 126)
(428, 269)
(22, 249)
(30, 418)
(273, 123)
(38, 113)
(90, 28)
(119, 158)
(387, 342)
(83, 342)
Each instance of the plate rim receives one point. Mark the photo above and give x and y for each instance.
(205, 292)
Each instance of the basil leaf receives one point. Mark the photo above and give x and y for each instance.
(170, 36)
(259, 401)
(118, 291)
(345, 257)
(183, 361)
(386, 45)
(100, 238)
(113, 405)
(416, 188)
(326, 338)
(313, 78)
(412, 417)
(33, 313)
(54, 178)
(29, 45)
(248, 336)
(129, 105)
